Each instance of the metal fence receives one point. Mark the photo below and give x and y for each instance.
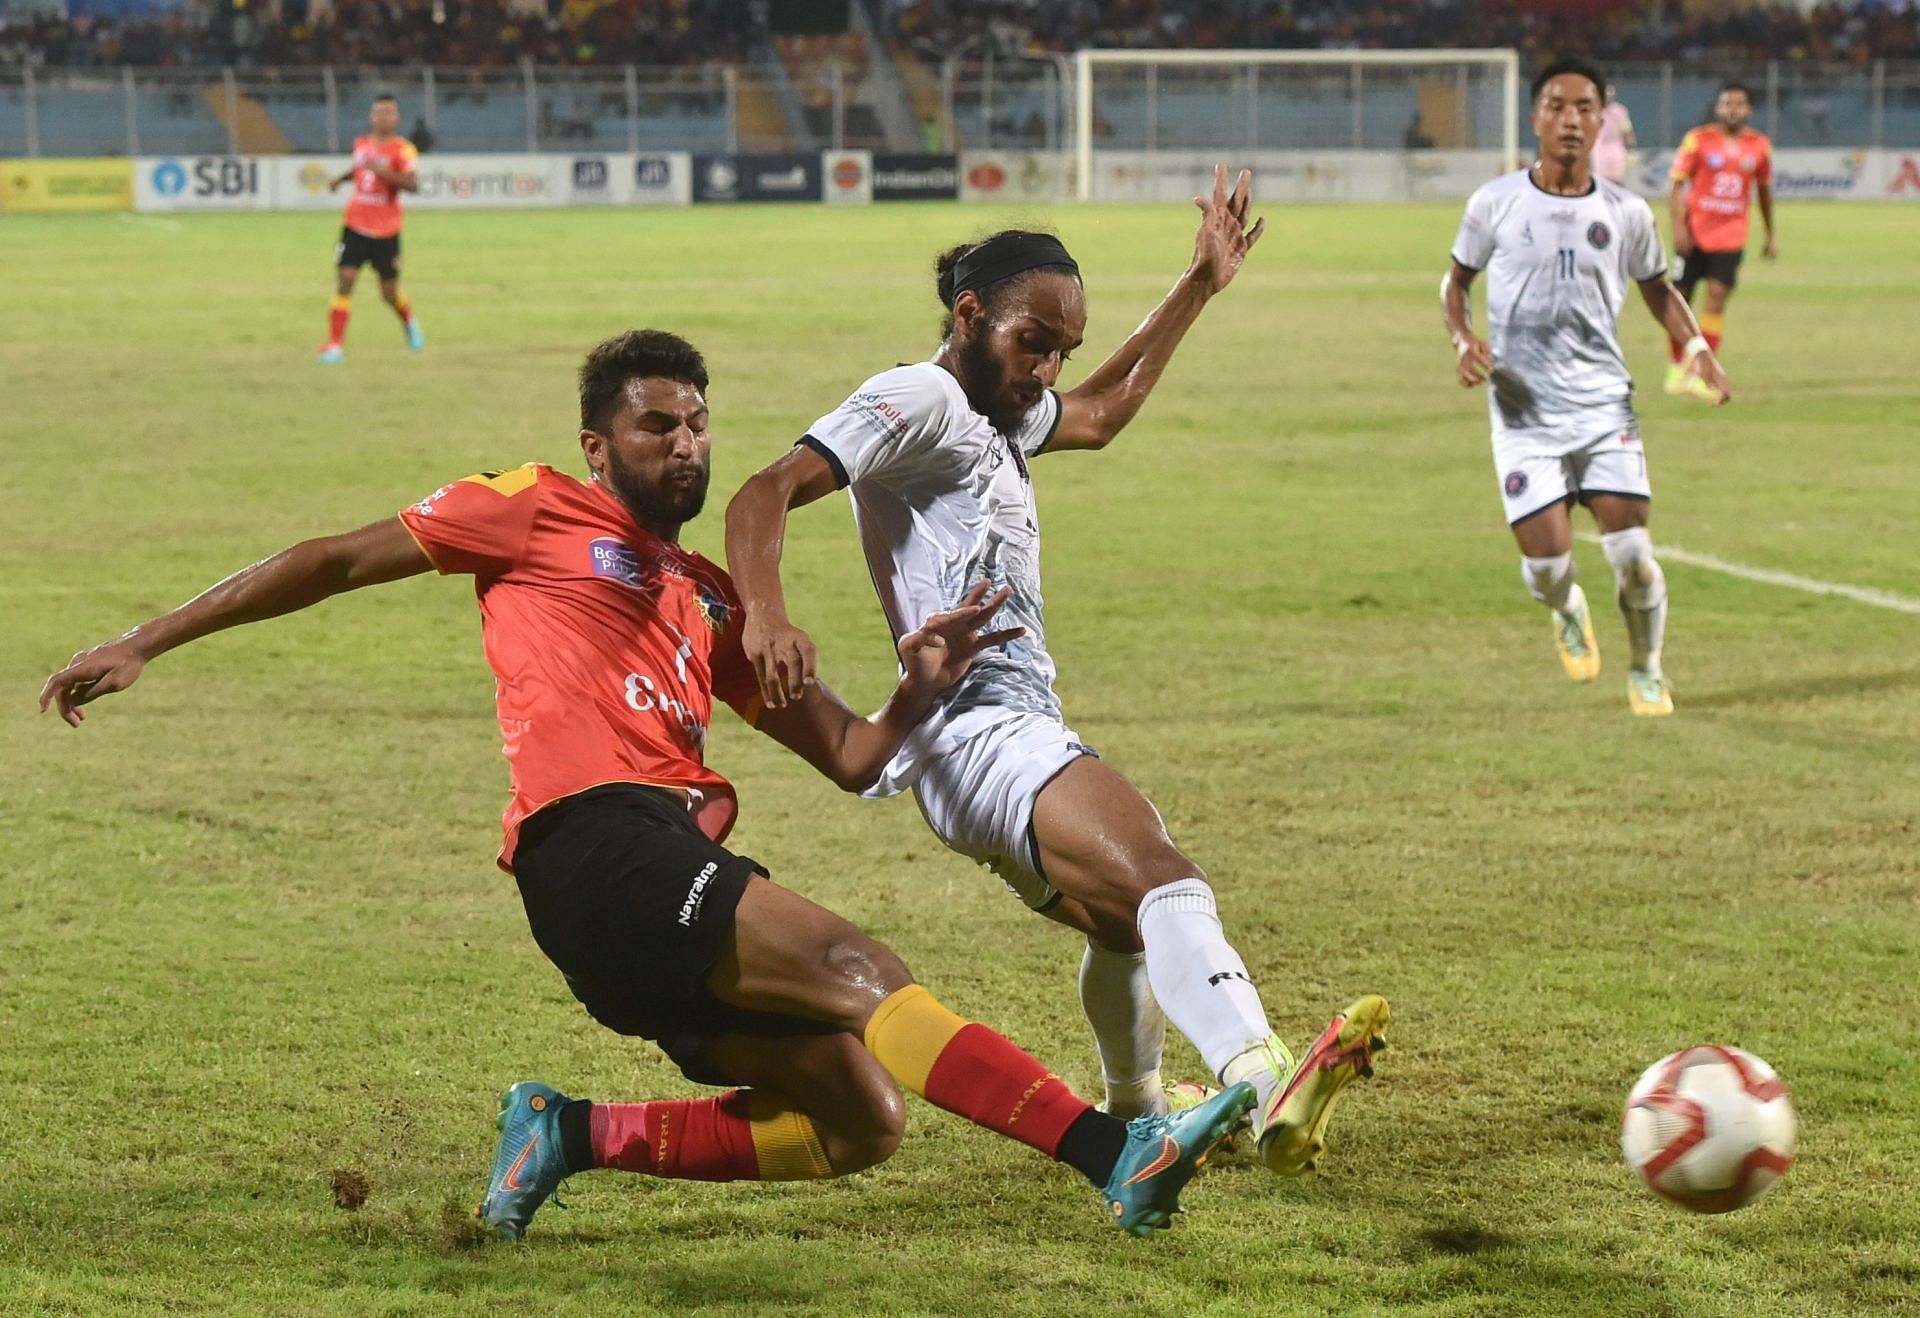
(130, 111)
(983, 103)
(989, 102)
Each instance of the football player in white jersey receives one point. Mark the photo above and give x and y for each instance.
(935, 457)
(1560, 246)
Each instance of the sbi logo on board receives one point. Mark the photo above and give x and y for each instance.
(207, 176)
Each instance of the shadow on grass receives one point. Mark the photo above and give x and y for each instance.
(1807, 688)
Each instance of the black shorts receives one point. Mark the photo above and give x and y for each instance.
(635, 905)
(356, 249)
(1691, 269)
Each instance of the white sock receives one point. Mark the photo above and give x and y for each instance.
(1549, 580)
(1128, 1029)
(1640, 587)
(1201, 982)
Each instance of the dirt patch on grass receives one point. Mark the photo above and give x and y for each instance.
(350, 1188)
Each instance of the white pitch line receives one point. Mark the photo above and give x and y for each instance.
(152, 221)
(1880, 599)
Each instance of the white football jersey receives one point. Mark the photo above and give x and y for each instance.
(943, 502)
(1558, 269)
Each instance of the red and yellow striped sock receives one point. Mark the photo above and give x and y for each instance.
(971, 1071)
(337, 319)
(739, 1136)
(403, 307)
(1712, 327)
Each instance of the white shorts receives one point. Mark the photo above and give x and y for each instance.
(979, 799)
(1536, 472)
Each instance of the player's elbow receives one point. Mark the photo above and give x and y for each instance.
(1098, 425)
(855, 777)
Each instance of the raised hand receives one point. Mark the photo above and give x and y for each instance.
(102, 670)
(1224, 238)
(938, 653)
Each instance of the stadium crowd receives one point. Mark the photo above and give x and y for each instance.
(1607, 30)
(391, 33)
(662, 32)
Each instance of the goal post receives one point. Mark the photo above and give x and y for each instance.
(1238, 103)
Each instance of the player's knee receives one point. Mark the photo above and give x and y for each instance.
(873, 1134)
(1549, 579)
(853, 960)
(1636, 573)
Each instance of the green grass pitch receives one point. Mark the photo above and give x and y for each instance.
(251, 935)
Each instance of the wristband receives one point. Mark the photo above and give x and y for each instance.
(1694, 347)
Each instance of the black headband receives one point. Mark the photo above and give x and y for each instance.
(1003, 258)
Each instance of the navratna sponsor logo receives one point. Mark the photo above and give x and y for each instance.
(697, 894)
(722, 177)
(612, 558)
(169, 178)
(314, 178)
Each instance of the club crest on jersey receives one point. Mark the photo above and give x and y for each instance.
(713, 608)
(611, 558)
(1516, 484)
(1599, 235)
(1715, 160)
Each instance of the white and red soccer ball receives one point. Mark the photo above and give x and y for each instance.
(1710, 1128)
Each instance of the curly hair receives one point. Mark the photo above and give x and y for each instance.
(635, 355)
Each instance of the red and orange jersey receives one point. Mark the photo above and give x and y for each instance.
(375, 206)
(1721, 173)
(607, 643)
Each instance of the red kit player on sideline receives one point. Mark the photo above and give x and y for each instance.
(610, 643)
(1717, 172)
(384, 166)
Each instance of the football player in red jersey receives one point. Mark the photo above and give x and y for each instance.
(385, 165)
(1720, 169)
(609, 642)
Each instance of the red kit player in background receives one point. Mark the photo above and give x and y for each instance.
(384, 166)
(1717, 172)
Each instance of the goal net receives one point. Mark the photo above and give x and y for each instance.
(1149, 124)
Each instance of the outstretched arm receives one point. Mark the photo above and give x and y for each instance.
(850, 750)
(1101, 405)
(293, 579)
(781, 653)
(1676, 317)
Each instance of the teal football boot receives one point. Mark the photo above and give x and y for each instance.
(1162, 1155)
(528, 1165)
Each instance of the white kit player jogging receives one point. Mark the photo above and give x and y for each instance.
(1558, 269)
